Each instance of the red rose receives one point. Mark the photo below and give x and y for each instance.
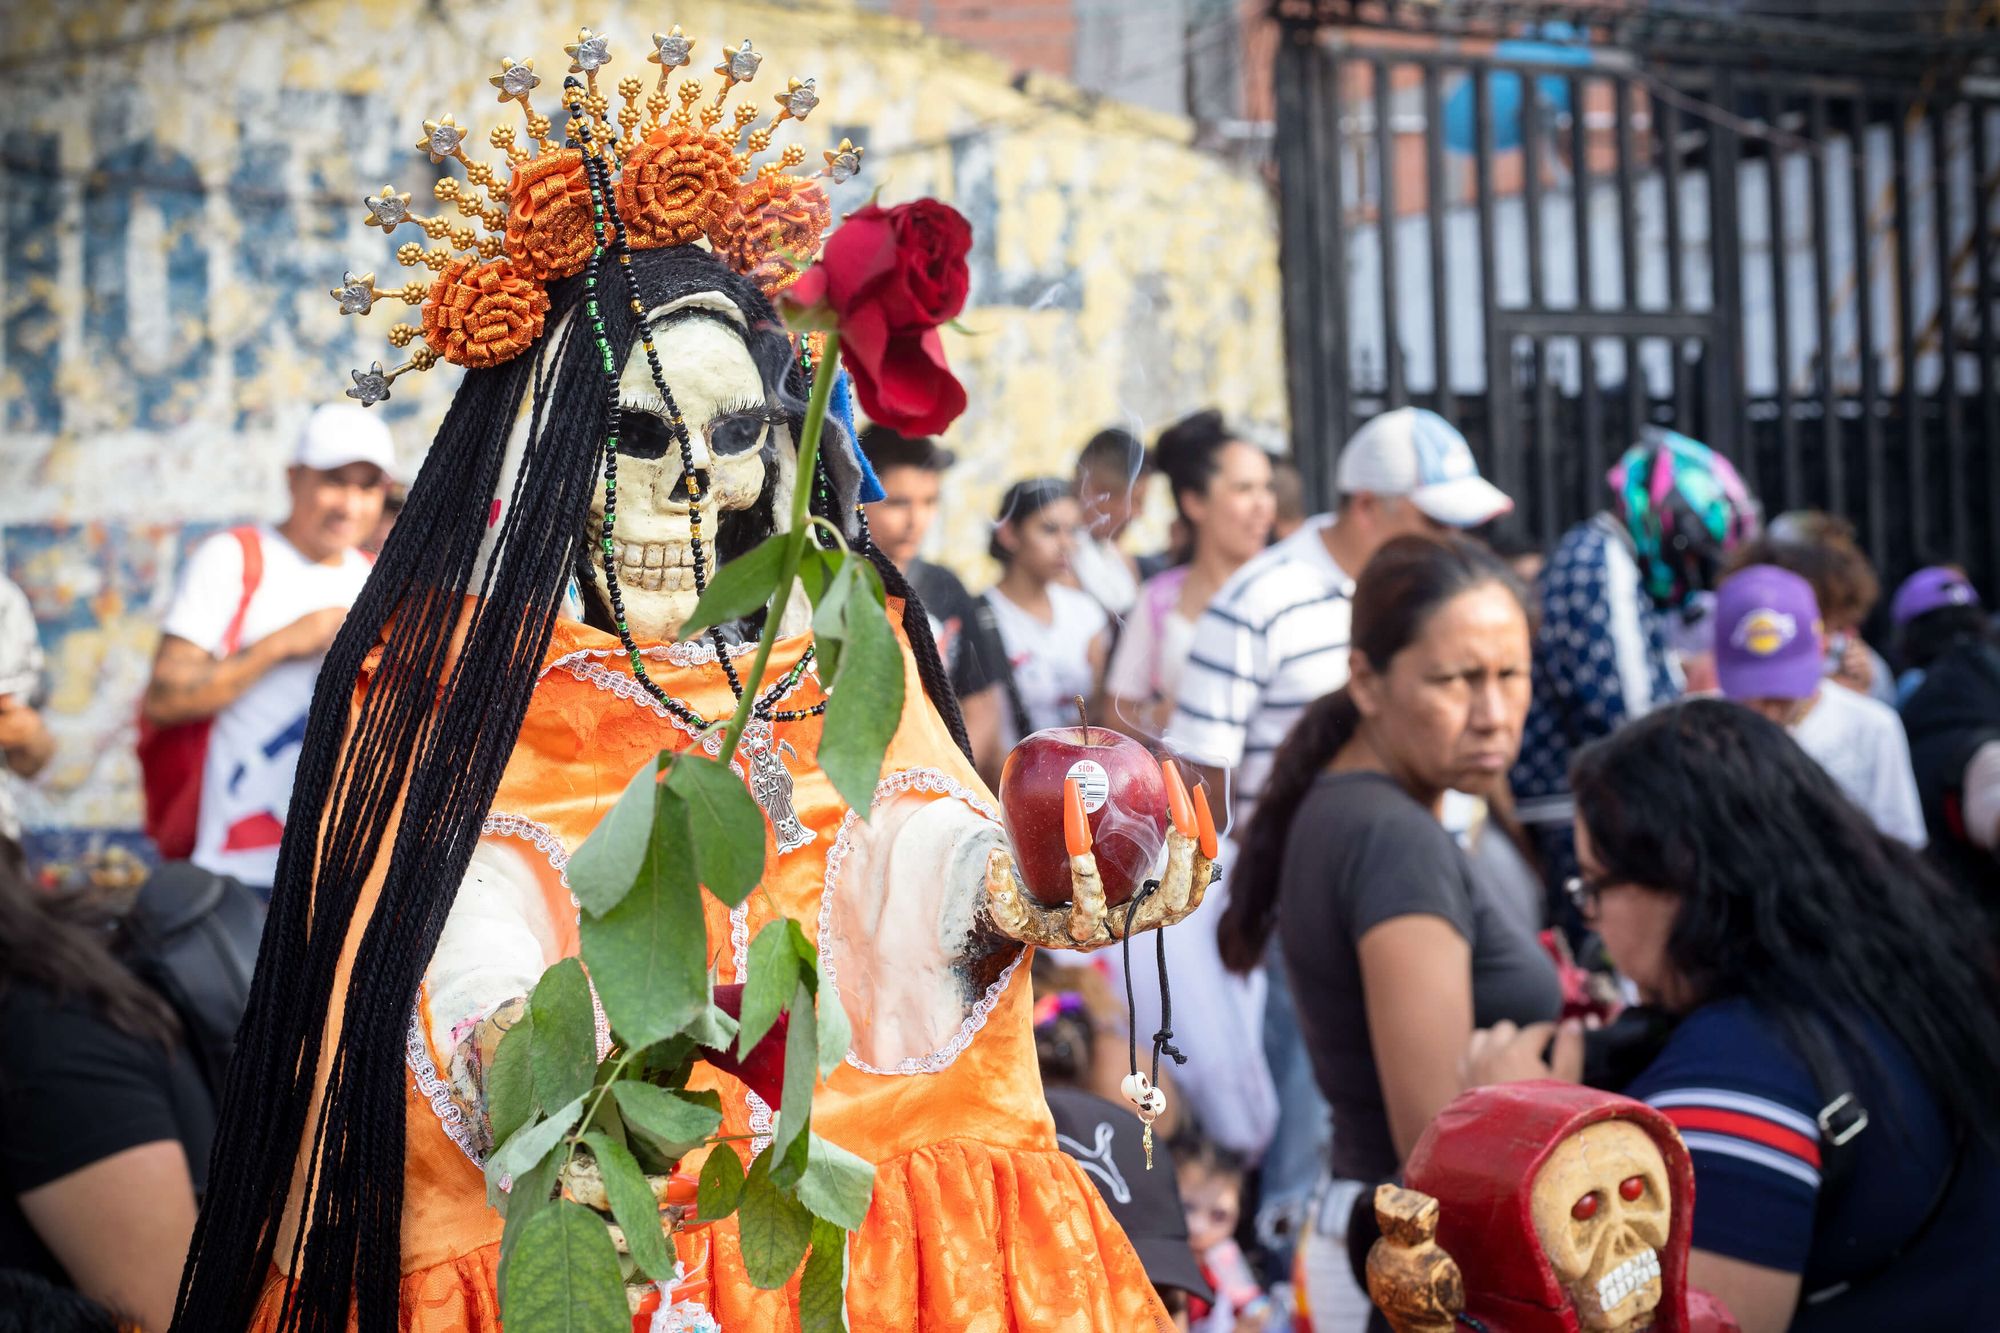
(763, 1070)
(890, 276)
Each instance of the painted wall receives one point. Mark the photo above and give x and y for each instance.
(179, 195)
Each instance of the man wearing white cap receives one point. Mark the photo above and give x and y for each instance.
(254, 612)
(1275, 637)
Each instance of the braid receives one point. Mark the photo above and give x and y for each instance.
(930, 667)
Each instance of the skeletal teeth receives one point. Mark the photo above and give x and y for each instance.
(654, 556)
(1629, 1277)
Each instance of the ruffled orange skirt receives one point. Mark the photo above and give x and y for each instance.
(961, 1238)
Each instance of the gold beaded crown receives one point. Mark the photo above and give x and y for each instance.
(678, 178)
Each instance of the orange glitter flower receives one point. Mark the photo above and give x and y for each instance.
(482, 313)
(548, 216)
(770, 229)
(671, 185)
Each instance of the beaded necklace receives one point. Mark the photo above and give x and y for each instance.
(610, 235)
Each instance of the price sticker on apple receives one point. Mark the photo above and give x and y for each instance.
(1092, 782)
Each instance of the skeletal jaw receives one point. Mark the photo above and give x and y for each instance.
(1628, 1278)
(655, 566)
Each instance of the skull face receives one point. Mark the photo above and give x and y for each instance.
(740, 454)
(1601, 1209)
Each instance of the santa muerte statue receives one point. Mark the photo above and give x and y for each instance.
(631, 686)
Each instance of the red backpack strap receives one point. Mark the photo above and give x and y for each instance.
(253, 574)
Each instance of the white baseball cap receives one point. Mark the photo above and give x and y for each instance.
(337, 434)
(1415, 452)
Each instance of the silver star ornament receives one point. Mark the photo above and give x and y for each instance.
(356, 295)
(743, 63)
(671, 49)
(371, 386)
(590, 51)
(799, 99)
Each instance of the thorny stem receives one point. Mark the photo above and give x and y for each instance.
(795, 541)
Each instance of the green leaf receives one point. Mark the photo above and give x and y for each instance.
(715, 1029)
(816, 567)
(830, 611)
(788, 1139)
(721, 1184)
(632, 1203)
(648, 955)
(739, 587)
(774, 1228)
(823, 1289)
(865, 700)
(602, 871)
(835, 1034)
(565, 1276)
(672, 1123)
(729, 846)
(837, 1184)
(771, 974)
(532, 1192)
(526, 1148)
(510, 1086)
(564, 1054)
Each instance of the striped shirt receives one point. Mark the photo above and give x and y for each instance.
(1273, 641)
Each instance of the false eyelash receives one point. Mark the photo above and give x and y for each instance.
(751, 407)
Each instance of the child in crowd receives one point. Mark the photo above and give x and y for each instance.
(1056, 638)
(1211, 1186)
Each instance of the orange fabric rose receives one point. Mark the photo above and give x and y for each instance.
(770, 230)
(480, 314)
(672, 184)
(548, 216)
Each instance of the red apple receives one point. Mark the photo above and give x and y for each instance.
(1123, 794)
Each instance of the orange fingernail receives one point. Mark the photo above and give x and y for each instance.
(1076, 823)
(1205, 822)
(1178, 808)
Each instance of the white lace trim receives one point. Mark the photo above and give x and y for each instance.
(761, 1119)
(417, 1048)
(697, 652)
(925, 779)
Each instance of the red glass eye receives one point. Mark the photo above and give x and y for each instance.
(1630, 1188)
(1585, 1208)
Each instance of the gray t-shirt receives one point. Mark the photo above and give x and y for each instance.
(1362, 851)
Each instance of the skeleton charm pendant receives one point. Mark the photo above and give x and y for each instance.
(771, 785)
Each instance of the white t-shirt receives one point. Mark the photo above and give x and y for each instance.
(1050, 660)
(1273, 641)
(253, 745)
(1153, 649)
(1101, 569)
(1861, 745)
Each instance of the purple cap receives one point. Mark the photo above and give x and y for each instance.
(1929, 590)
(1768, 638)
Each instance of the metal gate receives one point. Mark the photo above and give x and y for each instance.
(1551, 243)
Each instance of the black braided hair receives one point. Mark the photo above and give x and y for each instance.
(413, 772)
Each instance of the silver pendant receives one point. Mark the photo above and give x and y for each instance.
(770, 785)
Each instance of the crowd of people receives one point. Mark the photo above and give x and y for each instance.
(1646, 811)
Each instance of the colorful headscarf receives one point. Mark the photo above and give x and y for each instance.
(1686, 509)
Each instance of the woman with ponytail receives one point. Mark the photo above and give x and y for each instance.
(1394, 955)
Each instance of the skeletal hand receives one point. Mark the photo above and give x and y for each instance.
(1088, 922)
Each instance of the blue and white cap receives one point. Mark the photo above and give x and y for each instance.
(1415, 452)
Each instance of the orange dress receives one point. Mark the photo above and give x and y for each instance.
(979, 1224)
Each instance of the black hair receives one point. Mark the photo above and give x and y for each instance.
(393, 782)
(1826, 556)
(33, 1304)
(1405, 583)
(886, 448)
(1023, 500)
(1791, 898)
(61, 946)
(1927, 637)
(1186, 453)
(1114, 450)
(1194, 1150)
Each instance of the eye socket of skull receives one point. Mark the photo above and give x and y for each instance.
(1609, 1239)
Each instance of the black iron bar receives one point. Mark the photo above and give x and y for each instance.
(1667, 123)
(1531, 128)
(1829, 361)
(1781, 305)
(1385, 220)
(1628, 255)
(1436, 206)
(1915, 464)
(1498, 393)
(1872, 479)
(1954, 422)
(1592, 406)
(1983, 298)
(1724, 424)
(1307, 376)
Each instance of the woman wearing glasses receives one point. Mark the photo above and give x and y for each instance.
(1394, 954)
(1834, 1063)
